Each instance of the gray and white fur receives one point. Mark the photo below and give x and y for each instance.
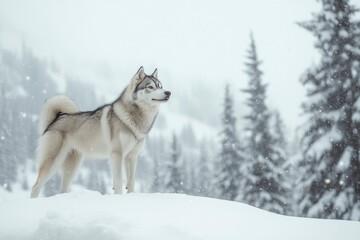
(115, 130)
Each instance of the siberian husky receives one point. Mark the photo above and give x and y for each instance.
(116, 130)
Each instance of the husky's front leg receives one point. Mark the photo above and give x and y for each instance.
(130, 163)
(116, 167)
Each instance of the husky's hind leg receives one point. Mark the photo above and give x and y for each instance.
(69, 169)
(51, 154)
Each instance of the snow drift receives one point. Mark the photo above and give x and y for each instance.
(89, 215)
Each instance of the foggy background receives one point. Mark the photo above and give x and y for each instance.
(197, 46)
(89, 50)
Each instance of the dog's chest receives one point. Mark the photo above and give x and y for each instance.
(127, 142)
(136, 121)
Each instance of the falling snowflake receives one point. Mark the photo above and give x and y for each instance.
(327, 181)
(2, 138)
(27, 78)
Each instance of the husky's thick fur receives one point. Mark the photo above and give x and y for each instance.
(117, 130)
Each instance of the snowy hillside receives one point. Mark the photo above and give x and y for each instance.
(89, 215)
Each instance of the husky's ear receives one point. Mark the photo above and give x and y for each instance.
(140, 75)
(155, 73)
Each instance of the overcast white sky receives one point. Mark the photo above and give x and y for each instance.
(197, 45)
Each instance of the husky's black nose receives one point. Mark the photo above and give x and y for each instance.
(167, 93)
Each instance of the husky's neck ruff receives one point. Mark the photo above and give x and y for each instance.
(138, 119)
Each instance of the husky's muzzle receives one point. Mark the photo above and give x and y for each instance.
(167, 95)
(165, 99)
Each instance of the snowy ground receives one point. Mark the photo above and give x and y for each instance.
(89, 215)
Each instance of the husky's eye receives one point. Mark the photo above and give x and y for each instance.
(150, 87)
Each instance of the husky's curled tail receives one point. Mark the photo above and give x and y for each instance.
(52, 151)
(52, 108)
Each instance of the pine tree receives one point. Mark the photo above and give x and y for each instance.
(331, 140)
(230, 158)
(280, 156)
(174, 181)
(5, 142)
(191, 175)
(25, 82)
(279, 133)
(204, 174)
(155, 147)
(36, 81)
(155, 186)
(10, 135)
(263, 188)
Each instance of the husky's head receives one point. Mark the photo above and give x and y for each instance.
(148, 88)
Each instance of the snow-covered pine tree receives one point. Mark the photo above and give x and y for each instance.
(228, 175)
(204, 175)
(263, 184)
(174, 182)
(191, 174)
(281, 156)
(278, 132)
(331, 141)
(36, 81)
(155, 181)
(5, 140)
(155, 148)
(11, 145)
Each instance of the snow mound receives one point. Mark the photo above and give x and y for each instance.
(88, 215)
